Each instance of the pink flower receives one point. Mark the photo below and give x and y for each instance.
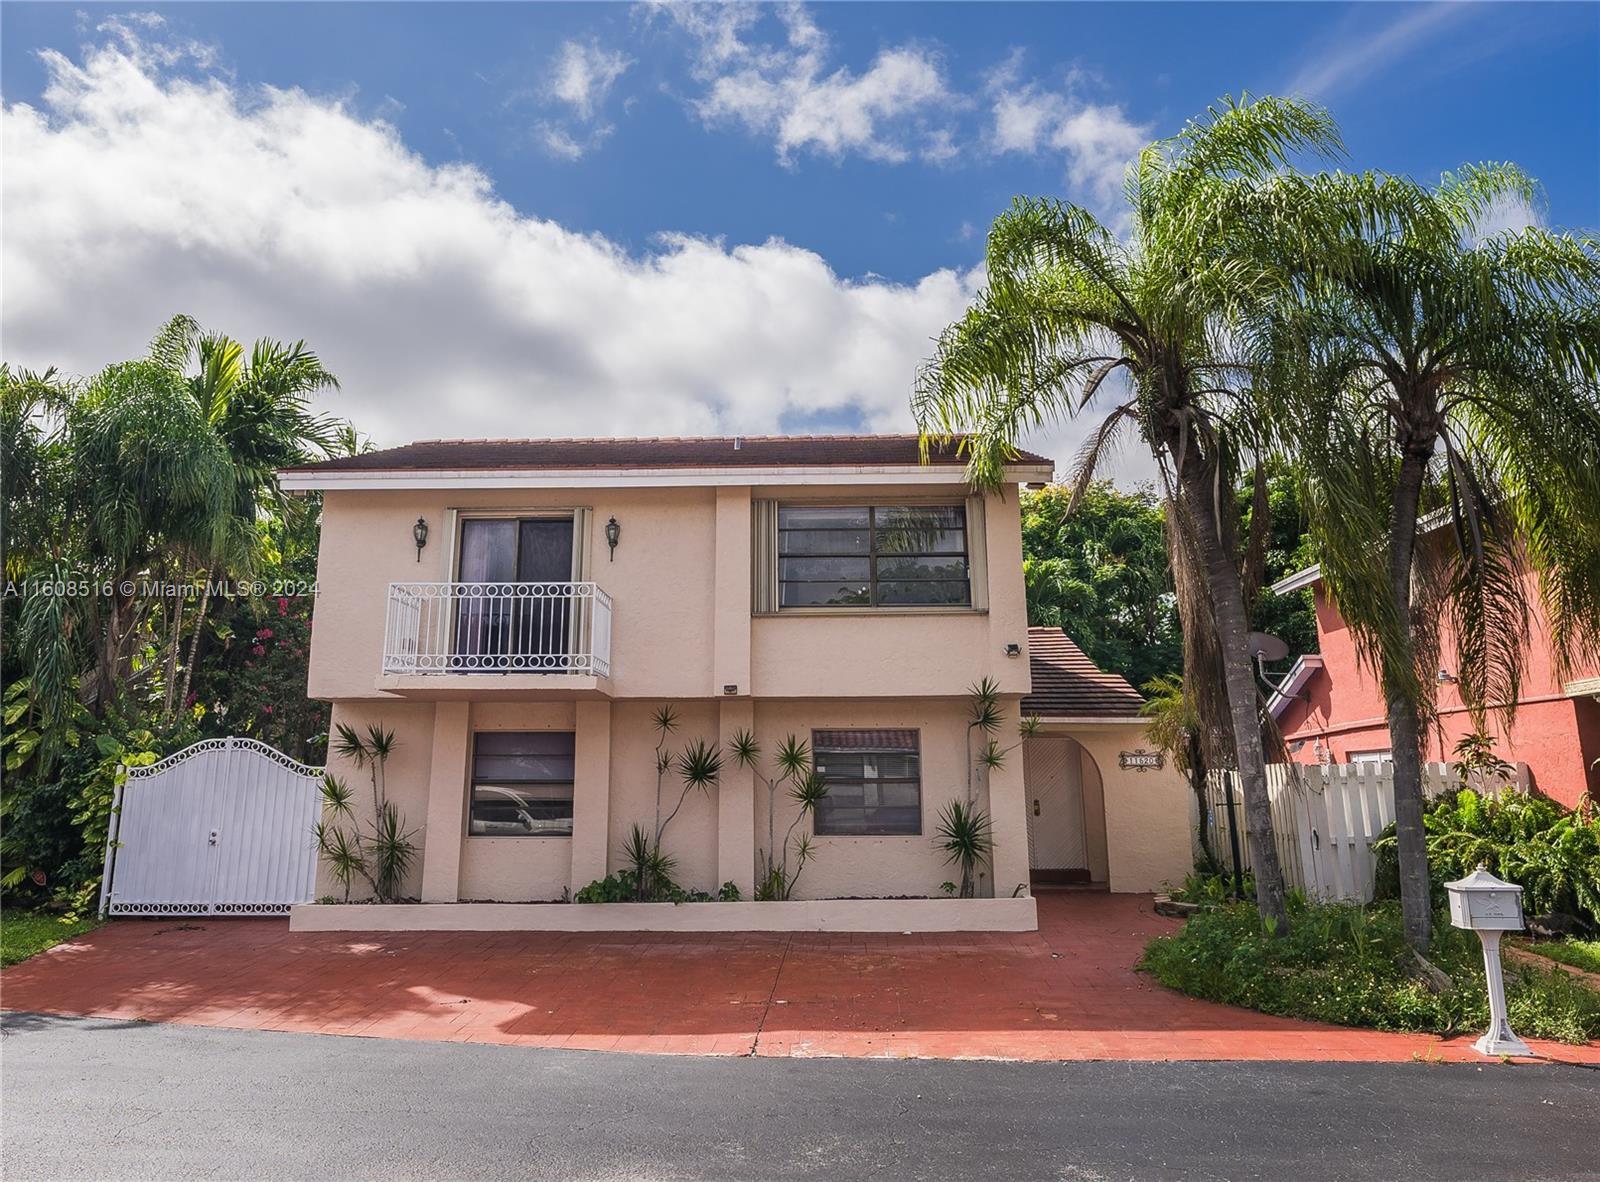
(283, 607)
(266, 709)
(264, 634)
(258, 650)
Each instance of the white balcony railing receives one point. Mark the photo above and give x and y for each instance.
(498, 628)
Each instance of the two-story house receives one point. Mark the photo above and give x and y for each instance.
(517, 612)
(1332, 709)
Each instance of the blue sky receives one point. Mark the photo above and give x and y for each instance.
(784, 204)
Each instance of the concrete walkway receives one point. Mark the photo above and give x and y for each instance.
(1066, 992)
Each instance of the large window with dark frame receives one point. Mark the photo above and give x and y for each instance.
(874, 780)
(873, 556)
(522, 784)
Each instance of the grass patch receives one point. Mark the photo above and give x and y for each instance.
(27, 933)
(1580, 954)
(1350, 965)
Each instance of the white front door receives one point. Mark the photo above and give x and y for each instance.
(1057, 843)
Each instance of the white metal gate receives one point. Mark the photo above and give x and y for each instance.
(223, 827)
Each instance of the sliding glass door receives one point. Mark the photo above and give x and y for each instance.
(515, 608)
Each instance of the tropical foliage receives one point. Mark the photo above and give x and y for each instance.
(1441, 391)
(157, 584)
(1352, 965)
(377, 848)
(795, 778)
(1166, 310)
(1552, 853)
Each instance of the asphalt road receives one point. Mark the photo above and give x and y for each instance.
(86, 1099)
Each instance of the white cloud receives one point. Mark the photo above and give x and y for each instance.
(1351, 60)
(788, 91)
(1097, 140)
(132, 194)
(581, 77)
(584, 74)
(1506, 214)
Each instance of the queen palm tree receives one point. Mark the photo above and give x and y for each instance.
(1069, 303)
(260, 407)
(1441, 377)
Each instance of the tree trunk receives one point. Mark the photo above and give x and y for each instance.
(1197, 781)
(170, 675)
(194, 641)
(1233, 642)
(1405, 738)
(108, 666)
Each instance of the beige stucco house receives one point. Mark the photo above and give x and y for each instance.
(517, 612)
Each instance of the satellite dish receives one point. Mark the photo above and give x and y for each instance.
(1266, 647)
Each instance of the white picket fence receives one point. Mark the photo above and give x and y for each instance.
(1324, 820)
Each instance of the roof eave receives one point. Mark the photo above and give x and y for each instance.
(325, 479)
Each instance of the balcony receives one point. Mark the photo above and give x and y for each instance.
(536, 635)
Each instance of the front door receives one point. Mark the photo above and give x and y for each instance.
(515, 611)
(1058, 848)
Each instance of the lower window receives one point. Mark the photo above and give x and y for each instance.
(522, 784)
(874, 781)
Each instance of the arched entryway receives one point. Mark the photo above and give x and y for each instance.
(1066, 813)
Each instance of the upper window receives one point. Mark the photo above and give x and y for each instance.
(873, 556)
(522, 784)
(874, 781)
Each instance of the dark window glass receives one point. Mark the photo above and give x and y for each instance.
(832, 556)
(874, 780)
(522, 784)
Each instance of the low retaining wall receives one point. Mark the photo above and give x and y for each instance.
(807, 915)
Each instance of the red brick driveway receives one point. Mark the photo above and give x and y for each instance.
(1066, 992)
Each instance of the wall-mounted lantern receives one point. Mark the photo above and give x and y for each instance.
(613, 536)
(419, 535)
(1013, 650)
(1482, 903)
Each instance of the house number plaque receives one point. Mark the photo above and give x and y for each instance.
(1141, 760)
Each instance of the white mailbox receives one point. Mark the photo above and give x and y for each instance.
(1482, 903)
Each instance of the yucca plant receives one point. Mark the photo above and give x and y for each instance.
(382, 856)
(650, 868)
(965, 835)
(984, 719)
(774, 880)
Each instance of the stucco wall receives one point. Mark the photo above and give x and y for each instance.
(1344, 712)
(715, 835)
(680, 587)
(1149, 815)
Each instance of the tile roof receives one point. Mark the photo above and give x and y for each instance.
(729, 451)
(1067, 684)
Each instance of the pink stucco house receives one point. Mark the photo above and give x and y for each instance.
(517, 611)
(1332, 710)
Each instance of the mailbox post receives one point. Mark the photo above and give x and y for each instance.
(1482, 903)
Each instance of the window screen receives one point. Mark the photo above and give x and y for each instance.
(874, 782)
(873, 556)
(522, 784)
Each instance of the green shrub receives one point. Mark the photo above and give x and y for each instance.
(623, 887)
(1350, 965)
(1551, 852)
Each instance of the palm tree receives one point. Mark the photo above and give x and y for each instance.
(261, 409)
(1441, 377)
(1069, 303)
(1173, 726)
(151, 479)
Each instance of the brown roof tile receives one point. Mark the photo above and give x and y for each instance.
(748, 451)
(1067, 684)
